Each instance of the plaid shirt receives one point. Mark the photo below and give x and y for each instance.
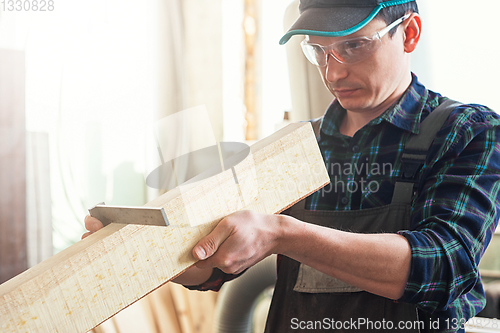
(455, 211)
(457, 206)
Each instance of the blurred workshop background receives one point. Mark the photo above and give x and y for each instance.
(81, 86)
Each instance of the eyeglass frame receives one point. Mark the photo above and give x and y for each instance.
(329, 49)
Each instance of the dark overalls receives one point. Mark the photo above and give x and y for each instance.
(303, 296)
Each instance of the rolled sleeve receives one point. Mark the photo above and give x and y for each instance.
(454, 218)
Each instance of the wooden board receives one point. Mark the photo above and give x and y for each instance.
(97, 277)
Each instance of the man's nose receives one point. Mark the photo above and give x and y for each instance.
(334, 69)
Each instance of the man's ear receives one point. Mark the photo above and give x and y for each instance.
(412, 32)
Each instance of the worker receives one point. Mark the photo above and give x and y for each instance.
(393, 243)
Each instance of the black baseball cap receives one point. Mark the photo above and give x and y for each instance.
(336, 18)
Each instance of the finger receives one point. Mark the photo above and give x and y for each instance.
(92, 224)
(87, 234)
(208, 245)
(210, 262)
(228, 265)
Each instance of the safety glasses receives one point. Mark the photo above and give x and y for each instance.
(347, 51)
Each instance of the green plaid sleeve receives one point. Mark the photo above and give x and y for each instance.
(455, 216)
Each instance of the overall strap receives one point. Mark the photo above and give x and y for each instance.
(416, 149)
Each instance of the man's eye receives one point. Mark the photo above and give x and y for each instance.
(355, 47)
(354, 44)
(317, 49)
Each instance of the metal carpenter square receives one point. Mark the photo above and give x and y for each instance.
(129, 215)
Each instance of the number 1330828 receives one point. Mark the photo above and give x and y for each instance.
(27, 5)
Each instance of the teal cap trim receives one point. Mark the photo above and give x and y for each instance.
(346, 32)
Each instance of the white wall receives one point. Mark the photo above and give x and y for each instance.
(92, 85)
(459, 52)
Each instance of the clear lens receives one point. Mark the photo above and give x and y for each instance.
(348, 51)
(357, 49)
(314, 53)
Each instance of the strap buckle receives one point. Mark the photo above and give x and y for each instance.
(406, 187)
(410, 169)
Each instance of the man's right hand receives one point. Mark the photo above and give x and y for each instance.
(192, 276)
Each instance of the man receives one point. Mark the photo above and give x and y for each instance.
(370, 252)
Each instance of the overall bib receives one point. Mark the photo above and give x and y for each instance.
(304, 295)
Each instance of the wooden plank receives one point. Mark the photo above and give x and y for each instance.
(97, 277)
(13, 253)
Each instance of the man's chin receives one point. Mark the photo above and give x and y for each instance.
(350, 104)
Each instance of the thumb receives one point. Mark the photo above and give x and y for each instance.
(209, 244)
